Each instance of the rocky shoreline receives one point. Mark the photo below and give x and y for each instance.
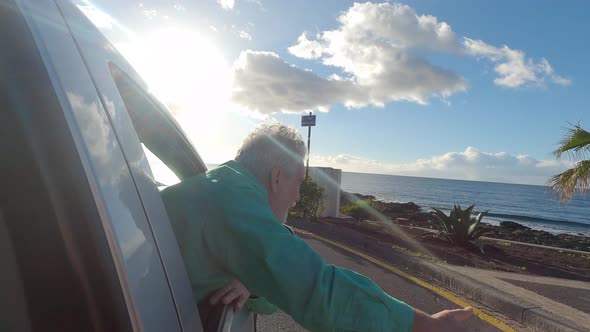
(413, 215)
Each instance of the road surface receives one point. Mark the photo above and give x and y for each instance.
(393, 284)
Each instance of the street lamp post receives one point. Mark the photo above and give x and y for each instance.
(308, 121)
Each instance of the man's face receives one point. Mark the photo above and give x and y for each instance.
(285, 190)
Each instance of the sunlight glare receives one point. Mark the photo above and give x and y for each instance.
(183, 69)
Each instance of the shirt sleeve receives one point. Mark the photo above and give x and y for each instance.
(251, 244)
(261, 306)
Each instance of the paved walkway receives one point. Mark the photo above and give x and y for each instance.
(563, 299)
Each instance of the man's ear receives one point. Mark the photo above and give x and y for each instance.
(275, 175)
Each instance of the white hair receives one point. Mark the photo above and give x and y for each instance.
(269, 146)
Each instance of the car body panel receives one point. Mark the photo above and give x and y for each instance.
(85, 234)
(110, 171)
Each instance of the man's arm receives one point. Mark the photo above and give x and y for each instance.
(251, 244)
(234, 292)
(446, 320)
(237, 294)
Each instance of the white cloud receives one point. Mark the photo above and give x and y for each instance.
(514, 69)
(179, 7)
(470, 164)
(374, 47)
(243, 34)
(380, 53)
(307, 49)
(226, 4)
(265, 83)
(257, 2)
(377, 46)
(99, 18)
(150, 13)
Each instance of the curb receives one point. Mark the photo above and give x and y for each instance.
(573, 251)
(515, 308)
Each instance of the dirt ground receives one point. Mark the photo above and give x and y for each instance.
(497, 255)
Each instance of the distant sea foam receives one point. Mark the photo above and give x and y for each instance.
(533, 206)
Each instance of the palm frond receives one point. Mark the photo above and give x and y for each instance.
(468, 211)
(458, 228)
(449, 238)
(476, 222)
(444, 220)
(481, 215)
(576, 143)
(477, 233)
(566, 183)
(455, 212)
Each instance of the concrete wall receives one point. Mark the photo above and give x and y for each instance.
(329, 178)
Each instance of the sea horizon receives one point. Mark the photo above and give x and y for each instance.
(451, 179)
(210, 166)
(531, 205)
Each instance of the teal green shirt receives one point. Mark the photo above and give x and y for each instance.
(226, 229)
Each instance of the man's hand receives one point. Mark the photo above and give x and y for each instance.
(446, 320)
(234, 292)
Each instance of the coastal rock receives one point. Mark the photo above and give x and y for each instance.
(411, 214)
(519, 232)
(390, 209)
(386, 207)
(347, 198)
(513, 225)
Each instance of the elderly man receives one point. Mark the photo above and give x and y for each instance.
(229, 225)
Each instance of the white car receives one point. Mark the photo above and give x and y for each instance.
(85, 241)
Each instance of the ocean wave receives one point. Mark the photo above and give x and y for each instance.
(531, 219)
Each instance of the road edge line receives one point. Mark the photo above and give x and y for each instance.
(447, 295)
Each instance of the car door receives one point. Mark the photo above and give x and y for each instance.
(88, 214)
(78, 124)
(61, 267)
(137, 118)
(144, 127)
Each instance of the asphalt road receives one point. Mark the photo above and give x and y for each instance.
(573, 297)
(393, 284)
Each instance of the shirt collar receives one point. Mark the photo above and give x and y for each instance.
(239, 168)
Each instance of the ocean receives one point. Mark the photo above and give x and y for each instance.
(530, 205)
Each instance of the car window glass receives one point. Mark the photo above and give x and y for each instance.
(163, 176)
(169, 154)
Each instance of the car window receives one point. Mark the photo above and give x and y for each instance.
(162, 174)
(170, 155)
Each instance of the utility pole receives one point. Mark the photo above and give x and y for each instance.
(308, 121)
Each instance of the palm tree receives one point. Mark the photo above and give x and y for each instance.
(577, 145)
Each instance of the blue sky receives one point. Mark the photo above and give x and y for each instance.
(475, 90)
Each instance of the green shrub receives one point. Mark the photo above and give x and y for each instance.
(364, 208)
(359, 209)
(458, 227)
(311, 202)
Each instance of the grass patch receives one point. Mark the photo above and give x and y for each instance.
(428, 257)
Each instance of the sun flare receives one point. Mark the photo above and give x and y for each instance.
(188, 73)
(182, 67)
